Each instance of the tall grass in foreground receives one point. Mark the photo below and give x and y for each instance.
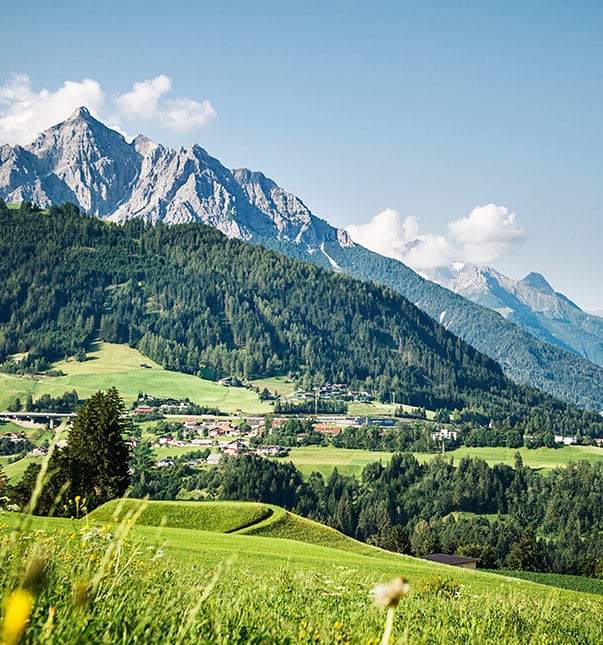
(107, 583)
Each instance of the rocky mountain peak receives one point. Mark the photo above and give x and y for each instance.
(81, 112)
(531, 303)
(79, 160)
(344, 239)
(83, 161)
(143, 145)
(538, 282)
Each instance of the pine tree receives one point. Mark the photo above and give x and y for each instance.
(527, 555)
(96, 453)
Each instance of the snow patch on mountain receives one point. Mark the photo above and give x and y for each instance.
(332, 262)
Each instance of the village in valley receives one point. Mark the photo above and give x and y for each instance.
(175, 427)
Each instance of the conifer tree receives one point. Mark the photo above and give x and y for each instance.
(527, 555)
(93, 468)
(97, 456)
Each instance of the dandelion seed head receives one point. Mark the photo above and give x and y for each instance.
(388, 595)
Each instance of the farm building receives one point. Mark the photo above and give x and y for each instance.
(453, 560)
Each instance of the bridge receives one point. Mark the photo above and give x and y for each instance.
(37, 417)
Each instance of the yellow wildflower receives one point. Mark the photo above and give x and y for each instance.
(17, 610)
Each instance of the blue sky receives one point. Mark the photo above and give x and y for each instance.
(426, 109)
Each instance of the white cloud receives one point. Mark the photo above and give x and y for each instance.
(386, 233)
(486, 233)
(182, 114)
(145, 102)
(428, 251)
(480, 238)
(25, 112)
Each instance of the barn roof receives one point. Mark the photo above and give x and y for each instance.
(443, 558)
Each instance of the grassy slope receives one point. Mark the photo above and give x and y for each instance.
(327, 569)
(15, 471)
(110, 365)
(219, 517)
(246, 518)
(541, 458)
(259, 550)
(577, 583)
(274, 588)
(279, 384)
(283, 524)
(8, 426)
(267, 520)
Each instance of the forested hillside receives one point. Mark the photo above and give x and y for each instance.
(523, 357)
(199, 302)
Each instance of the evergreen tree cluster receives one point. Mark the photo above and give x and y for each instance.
(19, 447)
(66, 402)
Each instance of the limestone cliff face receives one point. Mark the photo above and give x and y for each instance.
(292, 219)
(83, 161)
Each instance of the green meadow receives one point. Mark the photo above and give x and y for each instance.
(144, 580)
(376, 409)
(14, 471)
(352, 462)
(8, 426)
(324, 459)
(279, 384)
(539, 459)
(109, 365)
(564, 581)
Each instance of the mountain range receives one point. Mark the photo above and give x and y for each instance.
(84, 162)
(531, 303)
